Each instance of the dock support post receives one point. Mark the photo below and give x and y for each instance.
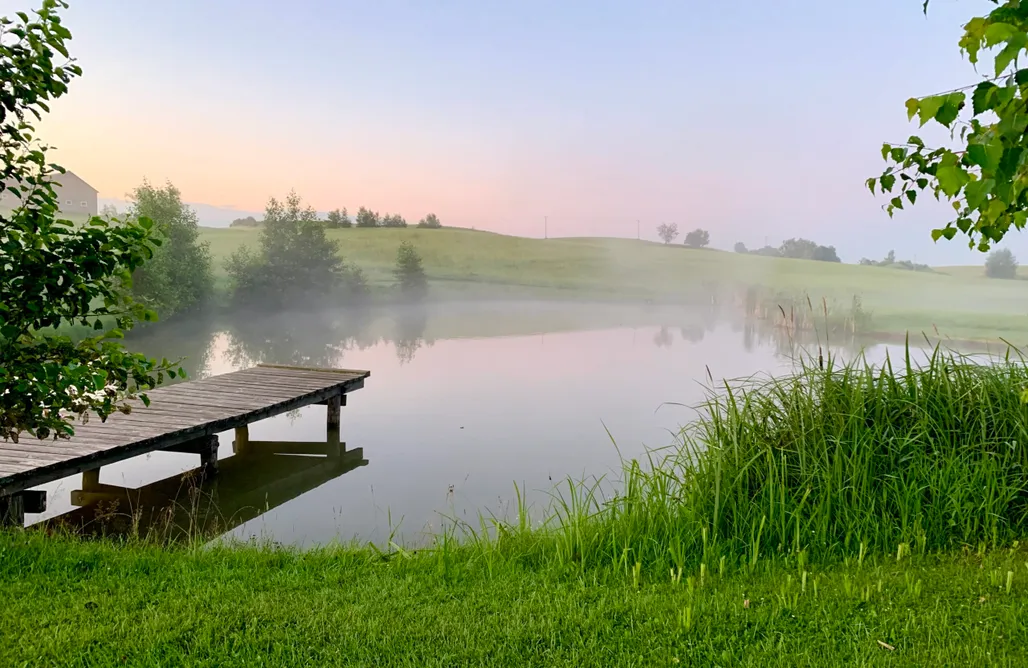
(332, 422)
(242, 442)
(334, 405)
(12, 511)
(209, 454)
(90, 479)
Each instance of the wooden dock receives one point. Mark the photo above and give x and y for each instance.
(184, 417)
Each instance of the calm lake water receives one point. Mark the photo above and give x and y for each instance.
(463, 403)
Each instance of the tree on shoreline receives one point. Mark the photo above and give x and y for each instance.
(179, 277)
(52, 271)
(295, 262)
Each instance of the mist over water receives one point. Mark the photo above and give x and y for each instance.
(467, 400)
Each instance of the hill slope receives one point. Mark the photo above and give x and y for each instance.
(959, 302)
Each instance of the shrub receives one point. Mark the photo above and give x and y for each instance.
(1001, 264)
(249, 221)
(409, 272)
(431, 221)
(393, 221)
(697, 238)
(740, 247)
(179, 277)
(296, 261)
(337, 219)
(367, 218)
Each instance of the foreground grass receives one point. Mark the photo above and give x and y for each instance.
(465, 264)
(68, 603)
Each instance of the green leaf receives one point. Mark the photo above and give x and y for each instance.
(1007, 55)
(912, 196)
(950, 109)
(977, 192)
(999, 32)
(983, 99)
(952, 178)
(977, 155)
(913, 106)
(929, 107)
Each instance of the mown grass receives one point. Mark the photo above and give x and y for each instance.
(848, 514)
(68, 603)
(467, 264)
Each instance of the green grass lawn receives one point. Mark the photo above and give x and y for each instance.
(69, 603)
(958, 301)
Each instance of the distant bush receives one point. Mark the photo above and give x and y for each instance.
(295, 262)
(395, 220)
(430, 221)
(698, 238)
(1001, 264)
(667, 233)
(409, 272)
(337, 219)
(249, 221)
(179, 277)
(891, 262)
(805, 249)
(799, 249)
(367, 218)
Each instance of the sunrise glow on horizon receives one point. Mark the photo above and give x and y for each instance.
(748, 119)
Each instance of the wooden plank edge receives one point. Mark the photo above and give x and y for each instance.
(358, 372)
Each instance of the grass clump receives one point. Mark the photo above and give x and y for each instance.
(837, 460)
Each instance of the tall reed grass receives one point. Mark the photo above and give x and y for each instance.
(838, 459)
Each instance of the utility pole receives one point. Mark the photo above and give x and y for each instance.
(546, 227)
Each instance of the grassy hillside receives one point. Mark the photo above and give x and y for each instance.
(958, 301)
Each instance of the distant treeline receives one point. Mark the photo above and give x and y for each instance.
(294, 260)
(891, 261)
(799, 249)
(339, 218)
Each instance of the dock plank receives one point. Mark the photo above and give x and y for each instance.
(177, 414)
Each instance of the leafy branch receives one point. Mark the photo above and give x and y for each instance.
(985, 179)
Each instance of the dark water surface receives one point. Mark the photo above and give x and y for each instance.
(463, 402)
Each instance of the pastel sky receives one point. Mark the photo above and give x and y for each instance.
(752, 119)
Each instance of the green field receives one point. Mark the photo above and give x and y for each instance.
(959, 301)
(68, 603)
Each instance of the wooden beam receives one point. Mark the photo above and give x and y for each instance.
(241, 445)
(334, 404)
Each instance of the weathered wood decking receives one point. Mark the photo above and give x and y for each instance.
(185, 417)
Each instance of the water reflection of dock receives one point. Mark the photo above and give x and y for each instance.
(195, 506)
